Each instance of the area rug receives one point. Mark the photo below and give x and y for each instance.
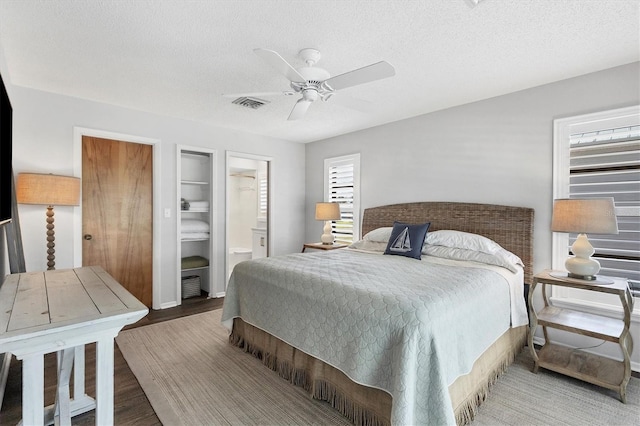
(193, 376)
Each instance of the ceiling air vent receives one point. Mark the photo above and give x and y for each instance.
(253, 103)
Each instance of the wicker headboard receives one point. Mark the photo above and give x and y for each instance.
(511, 227)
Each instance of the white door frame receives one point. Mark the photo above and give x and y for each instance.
(226, 203)
(78, 133)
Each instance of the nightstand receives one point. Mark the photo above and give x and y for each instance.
(321, 246)
(576, 363)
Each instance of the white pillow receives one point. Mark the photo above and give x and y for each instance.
(379, 235)
(448, 238)
(463, 240)
(369, 245)
(503, 259)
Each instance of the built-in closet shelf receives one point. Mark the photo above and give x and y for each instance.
(196, 182)
(193, 182)
(195, 269)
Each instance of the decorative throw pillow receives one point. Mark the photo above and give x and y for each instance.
(407, 240)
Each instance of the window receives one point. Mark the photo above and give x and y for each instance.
(342, 185)
(598, 155)
(263, 192)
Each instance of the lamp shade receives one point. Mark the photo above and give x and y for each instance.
(47, 189)
(327, 211)
(589, 216)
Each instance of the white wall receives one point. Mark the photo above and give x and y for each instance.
(43, 142)
(493, 151)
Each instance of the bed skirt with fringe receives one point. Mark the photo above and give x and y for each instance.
(365, 405)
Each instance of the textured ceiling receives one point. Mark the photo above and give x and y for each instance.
(177, 58)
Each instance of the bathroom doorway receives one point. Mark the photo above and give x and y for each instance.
(248, 194)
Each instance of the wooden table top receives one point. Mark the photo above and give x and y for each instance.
(35, 304)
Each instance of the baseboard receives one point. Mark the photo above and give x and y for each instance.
(168, 305)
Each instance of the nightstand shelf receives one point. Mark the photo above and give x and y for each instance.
(582, 365)
(591, 368)
(591, 325)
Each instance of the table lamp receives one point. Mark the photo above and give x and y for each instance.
(327, 212)
(48, 190)
(582, 216)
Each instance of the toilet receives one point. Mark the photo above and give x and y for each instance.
(237, 255)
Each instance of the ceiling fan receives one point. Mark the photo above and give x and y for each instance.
(313, 82)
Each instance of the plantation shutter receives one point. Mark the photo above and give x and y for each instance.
(341, 187)
(606, 163)
(262, 196)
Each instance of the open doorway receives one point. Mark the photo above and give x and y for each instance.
(248, 194)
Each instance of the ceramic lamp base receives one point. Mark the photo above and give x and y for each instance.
(327, 236)
(582, 266)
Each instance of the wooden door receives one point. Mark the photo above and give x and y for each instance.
(117, 212)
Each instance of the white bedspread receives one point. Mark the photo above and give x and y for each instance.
(408, 327)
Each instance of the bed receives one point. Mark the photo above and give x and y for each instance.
(363, 332)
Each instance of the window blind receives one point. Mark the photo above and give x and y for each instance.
(341, 187)
(262, 196)
(606, 163)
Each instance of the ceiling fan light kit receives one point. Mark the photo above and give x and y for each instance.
(313, 82)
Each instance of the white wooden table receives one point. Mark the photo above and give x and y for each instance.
(61, 311)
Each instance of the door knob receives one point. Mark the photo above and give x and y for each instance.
(87, 237)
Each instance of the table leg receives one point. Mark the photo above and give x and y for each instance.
(78, 373)
(104, 381)
(63, 395)
(69, 359)
(33, 390)
(533, 325)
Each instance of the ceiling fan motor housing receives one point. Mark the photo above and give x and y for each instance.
(315, 78)
(314, 73)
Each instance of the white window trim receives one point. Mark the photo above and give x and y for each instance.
(355, 159)
(562, 129)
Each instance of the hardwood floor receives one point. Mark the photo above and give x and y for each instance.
(131, 405)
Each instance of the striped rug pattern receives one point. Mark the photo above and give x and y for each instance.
(193, 376)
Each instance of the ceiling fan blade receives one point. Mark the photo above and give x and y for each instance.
(299, 109)
(278, 62)
(253, 94)
(372, 72)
